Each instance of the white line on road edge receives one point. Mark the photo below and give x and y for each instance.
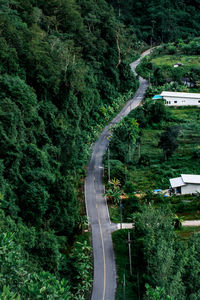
(86, 201)
(107, 207)
(104, 259)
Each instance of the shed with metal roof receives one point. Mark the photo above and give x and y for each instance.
(186, 184)
(181, 99)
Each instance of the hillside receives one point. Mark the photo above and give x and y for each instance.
(149, 149)
(59, 76)
(160, 21)
(64, 73)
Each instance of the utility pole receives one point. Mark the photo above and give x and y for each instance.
(108, 163)
(129, 250)
(121, 206)
(124, 287)
(152, 32)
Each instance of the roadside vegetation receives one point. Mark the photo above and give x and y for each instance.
(163, 262)
(64, 73)
(153, 162)
(165, 144)
(159, 67)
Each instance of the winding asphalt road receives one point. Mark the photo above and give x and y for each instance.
(104, 281)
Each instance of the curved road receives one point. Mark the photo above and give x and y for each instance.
(104, 283)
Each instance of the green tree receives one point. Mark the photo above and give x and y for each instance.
(156, 294)
(6, 294)
(124, 139)
(155, 252)
(191, 272)
(168, 141)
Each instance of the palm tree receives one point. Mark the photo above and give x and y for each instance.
(177, 222)
(115, 182)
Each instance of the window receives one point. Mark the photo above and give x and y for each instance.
(198, 101)
(175, 101)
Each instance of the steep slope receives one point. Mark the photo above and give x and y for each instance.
(60, 81)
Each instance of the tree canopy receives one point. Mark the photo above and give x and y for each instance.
(160, 21)
(63, 72)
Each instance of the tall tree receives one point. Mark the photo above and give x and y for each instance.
(168, 141)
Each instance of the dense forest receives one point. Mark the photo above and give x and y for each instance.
(160, 21)
(64, 72)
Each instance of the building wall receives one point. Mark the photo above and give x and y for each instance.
(175, 101)
(190, 188)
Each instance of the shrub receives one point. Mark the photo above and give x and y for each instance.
(171, 49)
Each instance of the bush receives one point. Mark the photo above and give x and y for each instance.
(130, 206)
(171, 49)
(144, 160)
(117, 170)
(129, 187)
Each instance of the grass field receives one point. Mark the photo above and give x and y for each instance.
(169, 60)
(114, 213)
(186, 232)
(157, 174)
(194, 215)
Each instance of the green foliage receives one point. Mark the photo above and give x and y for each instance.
(156, 251)
(6, 294)
(152, 90)
(192, 269)
(82, 255)
(144, 160)
(168, 140)
(161, 262)
(33, 265)
(124, 139)
(164, 267)
(113, 191)
(159, 67)
(152, 112)
(156, 294)
(130, 205)
(161, 21)
(61, 80)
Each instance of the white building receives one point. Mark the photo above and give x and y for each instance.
(186, 184)
(180, 99)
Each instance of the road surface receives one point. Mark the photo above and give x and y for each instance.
(104, 280)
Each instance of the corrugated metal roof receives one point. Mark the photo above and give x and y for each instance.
(175, 182)
(184, 179)
(190, 178)
(180, 95)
